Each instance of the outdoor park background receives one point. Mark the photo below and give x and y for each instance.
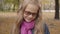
(8, 15)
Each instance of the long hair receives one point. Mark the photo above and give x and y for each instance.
(38, 22)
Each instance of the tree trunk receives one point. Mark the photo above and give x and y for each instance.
(56, 9)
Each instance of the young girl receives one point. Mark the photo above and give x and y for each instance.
(29, 20)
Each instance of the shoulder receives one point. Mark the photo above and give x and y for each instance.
(44, 23)
(46, 29)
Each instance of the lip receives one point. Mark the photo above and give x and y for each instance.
(28, 19)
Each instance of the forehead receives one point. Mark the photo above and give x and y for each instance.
(31, 8)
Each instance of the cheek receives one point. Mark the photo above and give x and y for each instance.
(25, 16)
(34, 17)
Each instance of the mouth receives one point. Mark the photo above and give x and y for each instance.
(28, 20)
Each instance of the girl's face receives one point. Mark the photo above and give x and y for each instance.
(30, 12)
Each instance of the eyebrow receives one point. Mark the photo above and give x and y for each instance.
(30, 12)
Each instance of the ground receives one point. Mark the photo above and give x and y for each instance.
(8, 18)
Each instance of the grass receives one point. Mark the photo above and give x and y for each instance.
(53, 24)
(7, 20)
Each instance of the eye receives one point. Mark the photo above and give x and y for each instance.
(27, 12)
(34, 13)
(30, 13)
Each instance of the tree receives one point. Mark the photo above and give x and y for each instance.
(56, 9)
(15, 4)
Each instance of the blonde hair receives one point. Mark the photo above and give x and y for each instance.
(20, 17)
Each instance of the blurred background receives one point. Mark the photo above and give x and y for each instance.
(50, 14)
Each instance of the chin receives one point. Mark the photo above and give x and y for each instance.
(28, 20)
